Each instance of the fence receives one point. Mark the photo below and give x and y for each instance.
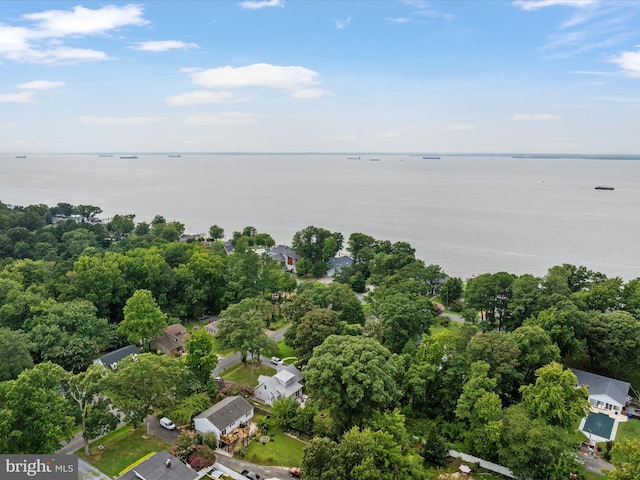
(494, 467)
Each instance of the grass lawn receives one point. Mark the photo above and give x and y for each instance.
(628, 430)
(283, 450)
(121, 449)
(593, 476)
(242, 374)
(285, 350)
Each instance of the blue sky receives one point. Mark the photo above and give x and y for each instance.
(538, 76)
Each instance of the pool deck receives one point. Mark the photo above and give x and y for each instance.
(617, 418)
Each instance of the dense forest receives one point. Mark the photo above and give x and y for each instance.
(397, 381)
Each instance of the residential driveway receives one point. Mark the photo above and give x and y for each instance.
(159, 431)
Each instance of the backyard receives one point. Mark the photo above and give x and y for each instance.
(281, 450)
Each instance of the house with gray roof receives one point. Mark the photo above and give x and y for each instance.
(297, 374)
(281, 385)
(285, 255)
(337, 264)
(224, 417)
(161, 466)
(604, 392)
(111, 359)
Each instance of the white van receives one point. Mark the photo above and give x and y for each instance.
(168, 424)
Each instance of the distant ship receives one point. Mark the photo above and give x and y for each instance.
(21, 156)
(129, 157)
(353, 158)
(374, 159)
(604, 187)
(175, 156)
(105, 155)
(431, 158)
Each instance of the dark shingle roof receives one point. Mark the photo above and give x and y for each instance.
(599, 385)
(154, 468)
(226, 411)
(114, 357)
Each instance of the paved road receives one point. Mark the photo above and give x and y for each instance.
(230, 360)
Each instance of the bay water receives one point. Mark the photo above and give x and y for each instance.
(468, 214)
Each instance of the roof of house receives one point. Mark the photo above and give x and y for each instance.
(272, 383)
(291, 369)
(600, 385)
(340, 262)
(283, 250)
(110, 358)
(226, 411)
(175, 329)
(155, 468)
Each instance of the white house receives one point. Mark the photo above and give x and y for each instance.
(604, 392)
(281, 385)
(224, 417)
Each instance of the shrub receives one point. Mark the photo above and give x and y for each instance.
(202, 457)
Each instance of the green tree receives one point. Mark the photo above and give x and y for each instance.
(354, 376)
(555, 397)
(67, 333)
(478, 385)
(14, 354)
(283, 412)
(625, 456)
(317, 245)
(536, 349)
(490, 294)
(613, 341)
(567, 326)
(404, 318)
(451, 290)
(35, 414)
(145, 384)
(201, 358)
(96, 415)
(189, 407)
(312, 330)
(241, 327)
(216, 232)
(121, 225)
(524, 302)
(534, 450)
(143, 319)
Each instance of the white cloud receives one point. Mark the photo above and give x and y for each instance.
(221, 119)
(40, 85)
(462, 127)
(84, 21)
(199, 97)
(95, 120)
(19, 97)
(71, 55)
(629, 62)
(256, 75)
(530, 5)
(399, 20)
(164, 45)
(534, 117)
(258, 4)
(310, 93)
(342, 24)
(34, 44)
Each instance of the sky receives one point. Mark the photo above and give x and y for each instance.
(512, 76)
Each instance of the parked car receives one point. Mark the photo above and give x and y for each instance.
(295, 472)
(168, 424)
(276, 360)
